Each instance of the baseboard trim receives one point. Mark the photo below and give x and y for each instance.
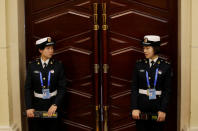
(13, 127)
(194, 129)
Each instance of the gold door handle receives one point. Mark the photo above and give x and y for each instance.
(105, 118)
(105, 68)
(95, 16)
(104, 17)
(96, 68)
(97, 119)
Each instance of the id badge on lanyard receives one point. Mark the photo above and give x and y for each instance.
(152, 92)
(45, 92)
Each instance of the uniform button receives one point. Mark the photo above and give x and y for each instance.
(43, 78)
(43, 86)
(149, 78)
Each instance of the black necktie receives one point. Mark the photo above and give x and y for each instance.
(45, 65)
(152, 63)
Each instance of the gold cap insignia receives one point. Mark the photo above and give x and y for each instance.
(145, 40)
(158, 62)
(38, 63)
(49, 39)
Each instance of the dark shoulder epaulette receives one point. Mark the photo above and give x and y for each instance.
(33, 61)
(60, 62)
(37, 61)
(51, 61)
(145, 61)
(138, 61)
(161, 60)
(167, 62)
(57, 61)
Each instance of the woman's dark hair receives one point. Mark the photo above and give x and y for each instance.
(42, 47)
(156, 49)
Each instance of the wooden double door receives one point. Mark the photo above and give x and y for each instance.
(98, 42)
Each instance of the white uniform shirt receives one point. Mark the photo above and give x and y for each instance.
(152, 60)
(42, 61)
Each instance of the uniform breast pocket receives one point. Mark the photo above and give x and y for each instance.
(36, 75)
(160, 73)
(160, 76)
(53, 74)
(141, 73)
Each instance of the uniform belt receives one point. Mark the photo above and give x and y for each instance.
(41, 95)
(145, 92)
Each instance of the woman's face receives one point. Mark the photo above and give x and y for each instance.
(148, 52)
(47, 52)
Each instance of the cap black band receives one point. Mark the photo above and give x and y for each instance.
(44, 44)
(151, 43)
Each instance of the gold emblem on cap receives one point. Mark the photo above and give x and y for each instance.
(51, 62)
(49, 39)
(38, 63)
(158, 62)
(145, 40)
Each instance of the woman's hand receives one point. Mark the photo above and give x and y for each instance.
(161, 116)
(30, 113)
(52, 110)
(136, 114)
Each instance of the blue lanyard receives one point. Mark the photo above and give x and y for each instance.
(147, 78)
(41, 79)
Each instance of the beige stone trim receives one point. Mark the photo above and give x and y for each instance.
(9, 128)
(4, 119)
(12, 56)
(184, 63)
(193, 129)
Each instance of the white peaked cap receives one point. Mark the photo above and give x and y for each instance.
(42, 40)
(153, 38)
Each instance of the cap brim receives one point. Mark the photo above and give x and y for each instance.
(146, 44)
(50, 43)
(150, 44)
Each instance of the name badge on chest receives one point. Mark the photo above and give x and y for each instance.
(152, 94)
(46, 93)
